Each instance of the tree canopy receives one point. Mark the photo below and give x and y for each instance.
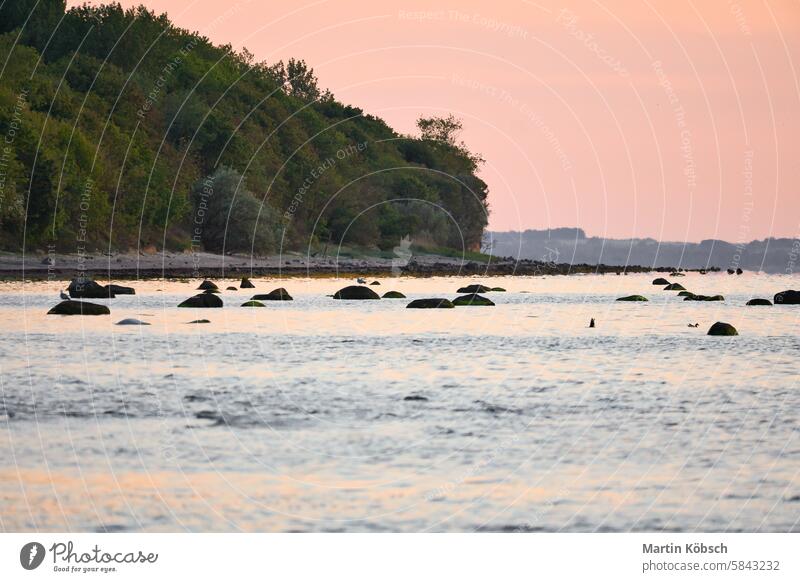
(112, 121)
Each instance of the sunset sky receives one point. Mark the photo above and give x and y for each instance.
(673, 120)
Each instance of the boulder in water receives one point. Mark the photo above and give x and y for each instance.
(474, 289)
(200, 321)
(231, 288)
(131, 321)
(120, 290)
(202, 300)
(685, 294)
(434, 303)
(88, 289)
(739, 271)
(759, 301)
(207, 285)
(356, 292)
(375, 283)
(660, 281)
(722, 328)
(472, 299)
(633, 298)
(252, 303)
(279, 294)
(731, 271)
(497, 289)
(70, 307)
(677, 274)
(788, 297)
(393, 295)
(246, 284)
(674, 287)
(704, 298)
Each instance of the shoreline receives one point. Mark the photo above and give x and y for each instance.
(170, 265)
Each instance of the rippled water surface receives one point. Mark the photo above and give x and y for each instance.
(323, 415)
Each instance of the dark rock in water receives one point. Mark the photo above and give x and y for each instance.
(472, 299)
(207, 285)
(704, 298)
(498, 289)
(231, 288)
(674, 287)
(435, 303)
(731, 271)
(252, 303)
(685, 294)
(120, 290)
(788, 297)
(591, 322)
(200, 321)
(132, 321)
(279, 294)
(202, 300)
(474, 289)
(70, 307)
(759, 301)
(212, 291)
(660, 281)
(677, 274)
(633, 298)
(415, 398)
(246, 284)
(375, 283)
(88, 289)
(356, 292)
(721, 328)
(393, 295)
(739, 271)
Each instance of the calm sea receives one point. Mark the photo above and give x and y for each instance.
(325, 415)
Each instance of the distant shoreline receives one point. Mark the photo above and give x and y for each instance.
(186, 265)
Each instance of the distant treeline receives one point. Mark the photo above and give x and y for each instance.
(571, 245)
(119, 130)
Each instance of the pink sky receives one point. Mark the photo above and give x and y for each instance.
(673, 120)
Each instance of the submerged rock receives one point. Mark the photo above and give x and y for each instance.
(231, 288)
(434, 303)
(199, 321)
(685, 294)
(759, 301)
(207, 285)
(356, 292)
(704, 298)
(474, 289)
(788, 297)
(472, 299)
(633, 298)
(660, 281)
(252, 303)
(498, 289)
(674, 287)
(375, 283)
(88, 289)
(677, 274)
(131, 321)
(70, 307)
(393, 295)
(722, 328)
(202, 300)
(279, 294)
(415, 398)
(246, 284)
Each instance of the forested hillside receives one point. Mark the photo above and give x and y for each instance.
(120, 130)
